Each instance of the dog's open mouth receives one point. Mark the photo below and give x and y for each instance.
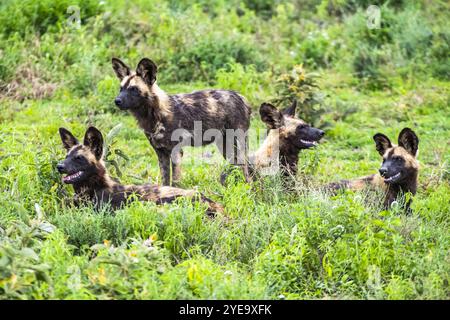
(394, 178)
(308, 143)
(70, 178)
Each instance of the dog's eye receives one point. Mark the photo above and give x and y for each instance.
(78, 157)
(396, 159)
(134, 89)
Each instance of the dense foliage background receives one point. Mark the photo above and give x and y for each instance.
(351, 80)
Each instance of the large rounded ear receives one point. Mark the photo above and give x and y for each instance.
(67, 138)
(271, 116)
(147, 70)
(382, 143)
(120, 68)
(290, 111)
(94, 140)
(408, 140)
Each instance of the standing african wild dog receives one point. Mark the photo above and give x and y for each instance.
(287, 136)
(85, 170)
(160, 114)
(399, 171)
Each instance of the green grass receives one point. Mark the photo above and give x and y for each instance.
(304, 245)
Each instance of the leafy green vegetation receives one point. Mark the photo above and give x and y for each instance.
(353, 82)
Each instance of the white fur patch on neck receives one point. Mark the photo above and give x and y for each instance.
(268, 153)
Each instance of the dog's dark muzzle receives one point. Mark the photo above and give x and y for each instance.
(61, 167)
(120, 102)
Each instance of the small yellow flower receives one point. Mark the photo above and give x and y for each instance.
(13, 280)
(102, 277)
(192, 273)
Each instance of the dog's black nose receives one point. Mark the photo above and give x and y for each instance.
(321, 133)
(60, 167)
(118, 101)
(383, 171)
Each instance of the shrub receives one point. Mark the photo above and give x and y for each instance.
(396, 47)
(303, 87)
(316, 50)
(20, 265)
(264, 8)
(439, 55)
(204, 58)
(340, 8)
(41, 16)
(370, 49)
(367, 65)
(245, 80)
(129, 271)
(288, 264)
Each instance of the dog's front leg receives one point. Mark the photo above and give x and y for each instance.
(164, 166)
(176, 167)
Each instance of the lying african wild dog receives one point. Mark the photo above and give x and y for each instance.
(398, 173)
(287, 136)
(86, 171)
(160, 114)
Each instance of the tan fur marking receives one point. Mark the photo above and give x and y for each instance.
(166, 191)
(127, 78)
(108, 181)
(291, 124)
(357, 184)
(71, 149)
(140, 84)
(163, 101)
(85, 152)
(362, 183)
(212, 104)
(188, 101)
(379, 181)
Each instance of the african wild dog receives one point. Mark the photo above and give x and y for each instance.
(287, 136)
(398, 173)
(160, 114)
(85, 170)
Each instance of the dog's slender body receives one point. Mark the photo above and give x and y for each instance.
(398, 173)
(86, 171)
(160, 115)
